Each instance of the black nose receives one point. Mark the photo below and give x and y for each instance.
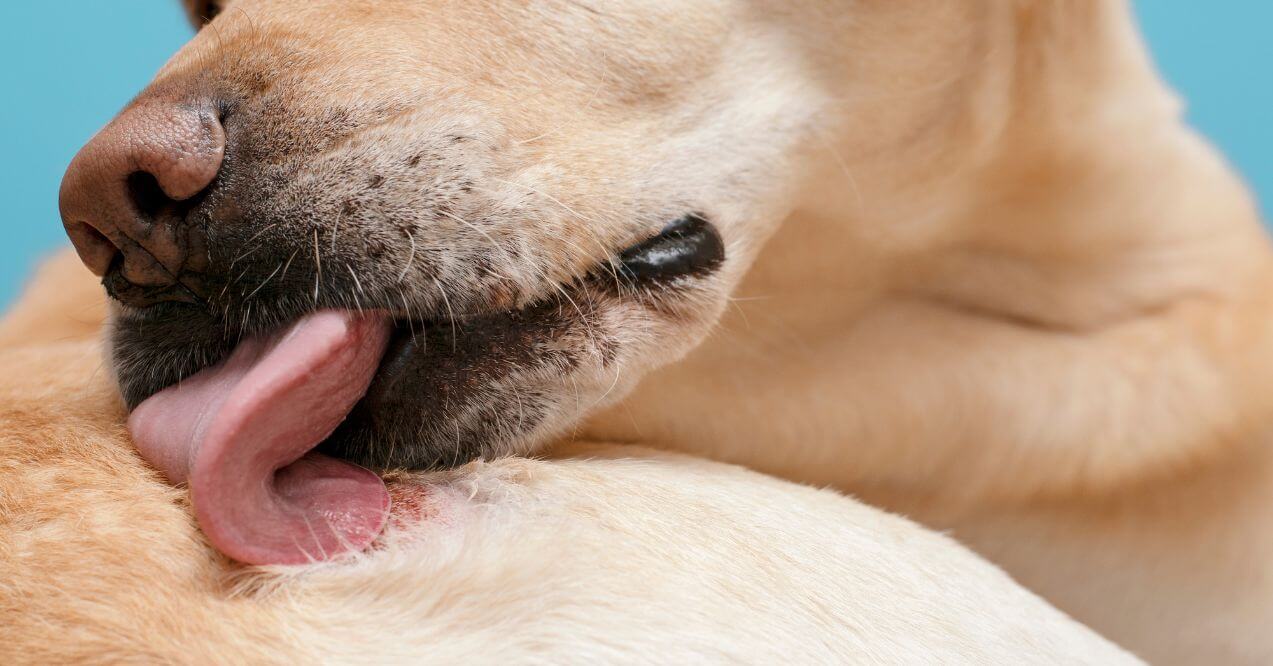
(121, 197)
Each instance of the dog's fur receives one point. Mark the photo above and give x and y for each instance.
(612, 555)
(981, 273)
(1041, 319)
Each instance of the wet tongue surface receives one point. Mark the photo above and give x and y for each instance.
(241, 434)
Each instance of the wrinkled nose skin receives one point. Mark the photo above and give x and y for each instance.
(122, 194)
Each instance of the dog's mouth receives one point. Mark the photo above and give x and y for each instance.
(243, 432)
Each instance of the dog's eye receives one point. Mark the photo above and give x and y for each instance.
(690, 245)
(202, 11)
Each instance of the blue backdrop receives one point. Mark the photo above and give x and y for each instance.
(71, 65)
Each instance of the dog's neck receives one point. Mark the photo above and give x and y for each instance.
(1032, 280)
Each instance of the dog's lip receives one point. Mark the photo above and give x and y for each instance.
(405, 344)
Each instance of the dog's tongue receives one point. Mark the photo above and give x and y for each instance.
(241, 433)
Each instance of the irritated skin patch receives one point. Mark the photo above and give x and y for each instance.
(414, 504)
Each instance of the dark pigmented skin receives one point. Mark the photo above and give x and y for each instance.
(688, 246)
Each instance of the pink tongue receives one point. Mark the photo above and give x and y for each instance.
(241, 432)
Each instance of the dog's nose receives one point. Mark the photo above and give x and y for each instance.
(121, 195)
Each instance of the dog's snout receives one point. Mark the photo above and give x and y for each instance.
(122, 194)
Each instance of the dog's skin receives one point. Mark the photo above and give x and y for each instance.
(611, 555)
(1006, 291)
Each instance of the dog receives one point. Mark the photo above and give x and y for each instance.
(960, 259)
(612, 553)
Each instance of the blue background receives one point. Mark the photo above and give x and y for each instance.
(70, 65)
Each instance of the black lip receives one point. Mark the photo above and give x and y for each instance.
(404, 344)
(688, 246)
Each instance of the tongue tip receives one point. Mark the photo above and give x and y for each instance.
(317, 509)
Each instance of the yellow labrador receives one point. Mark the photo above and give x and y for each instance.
(960, 258)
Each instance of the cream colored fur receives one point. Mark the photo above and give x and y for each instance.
(610, 555)
(1037, 314)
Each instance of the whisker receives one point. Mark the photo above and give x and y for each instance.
(844, 166)
(495, 244)
(318, 267)
(406, 306)
(410, 260)
(447, 301)
(591, 100)
(267, 281)
(357, 287)
(251, 240)
(583, 319)
(613, 384)
(289, 263)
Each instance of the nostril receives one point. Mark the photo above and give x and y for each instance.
(147, 195)
(96, 250)
(127, 196)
